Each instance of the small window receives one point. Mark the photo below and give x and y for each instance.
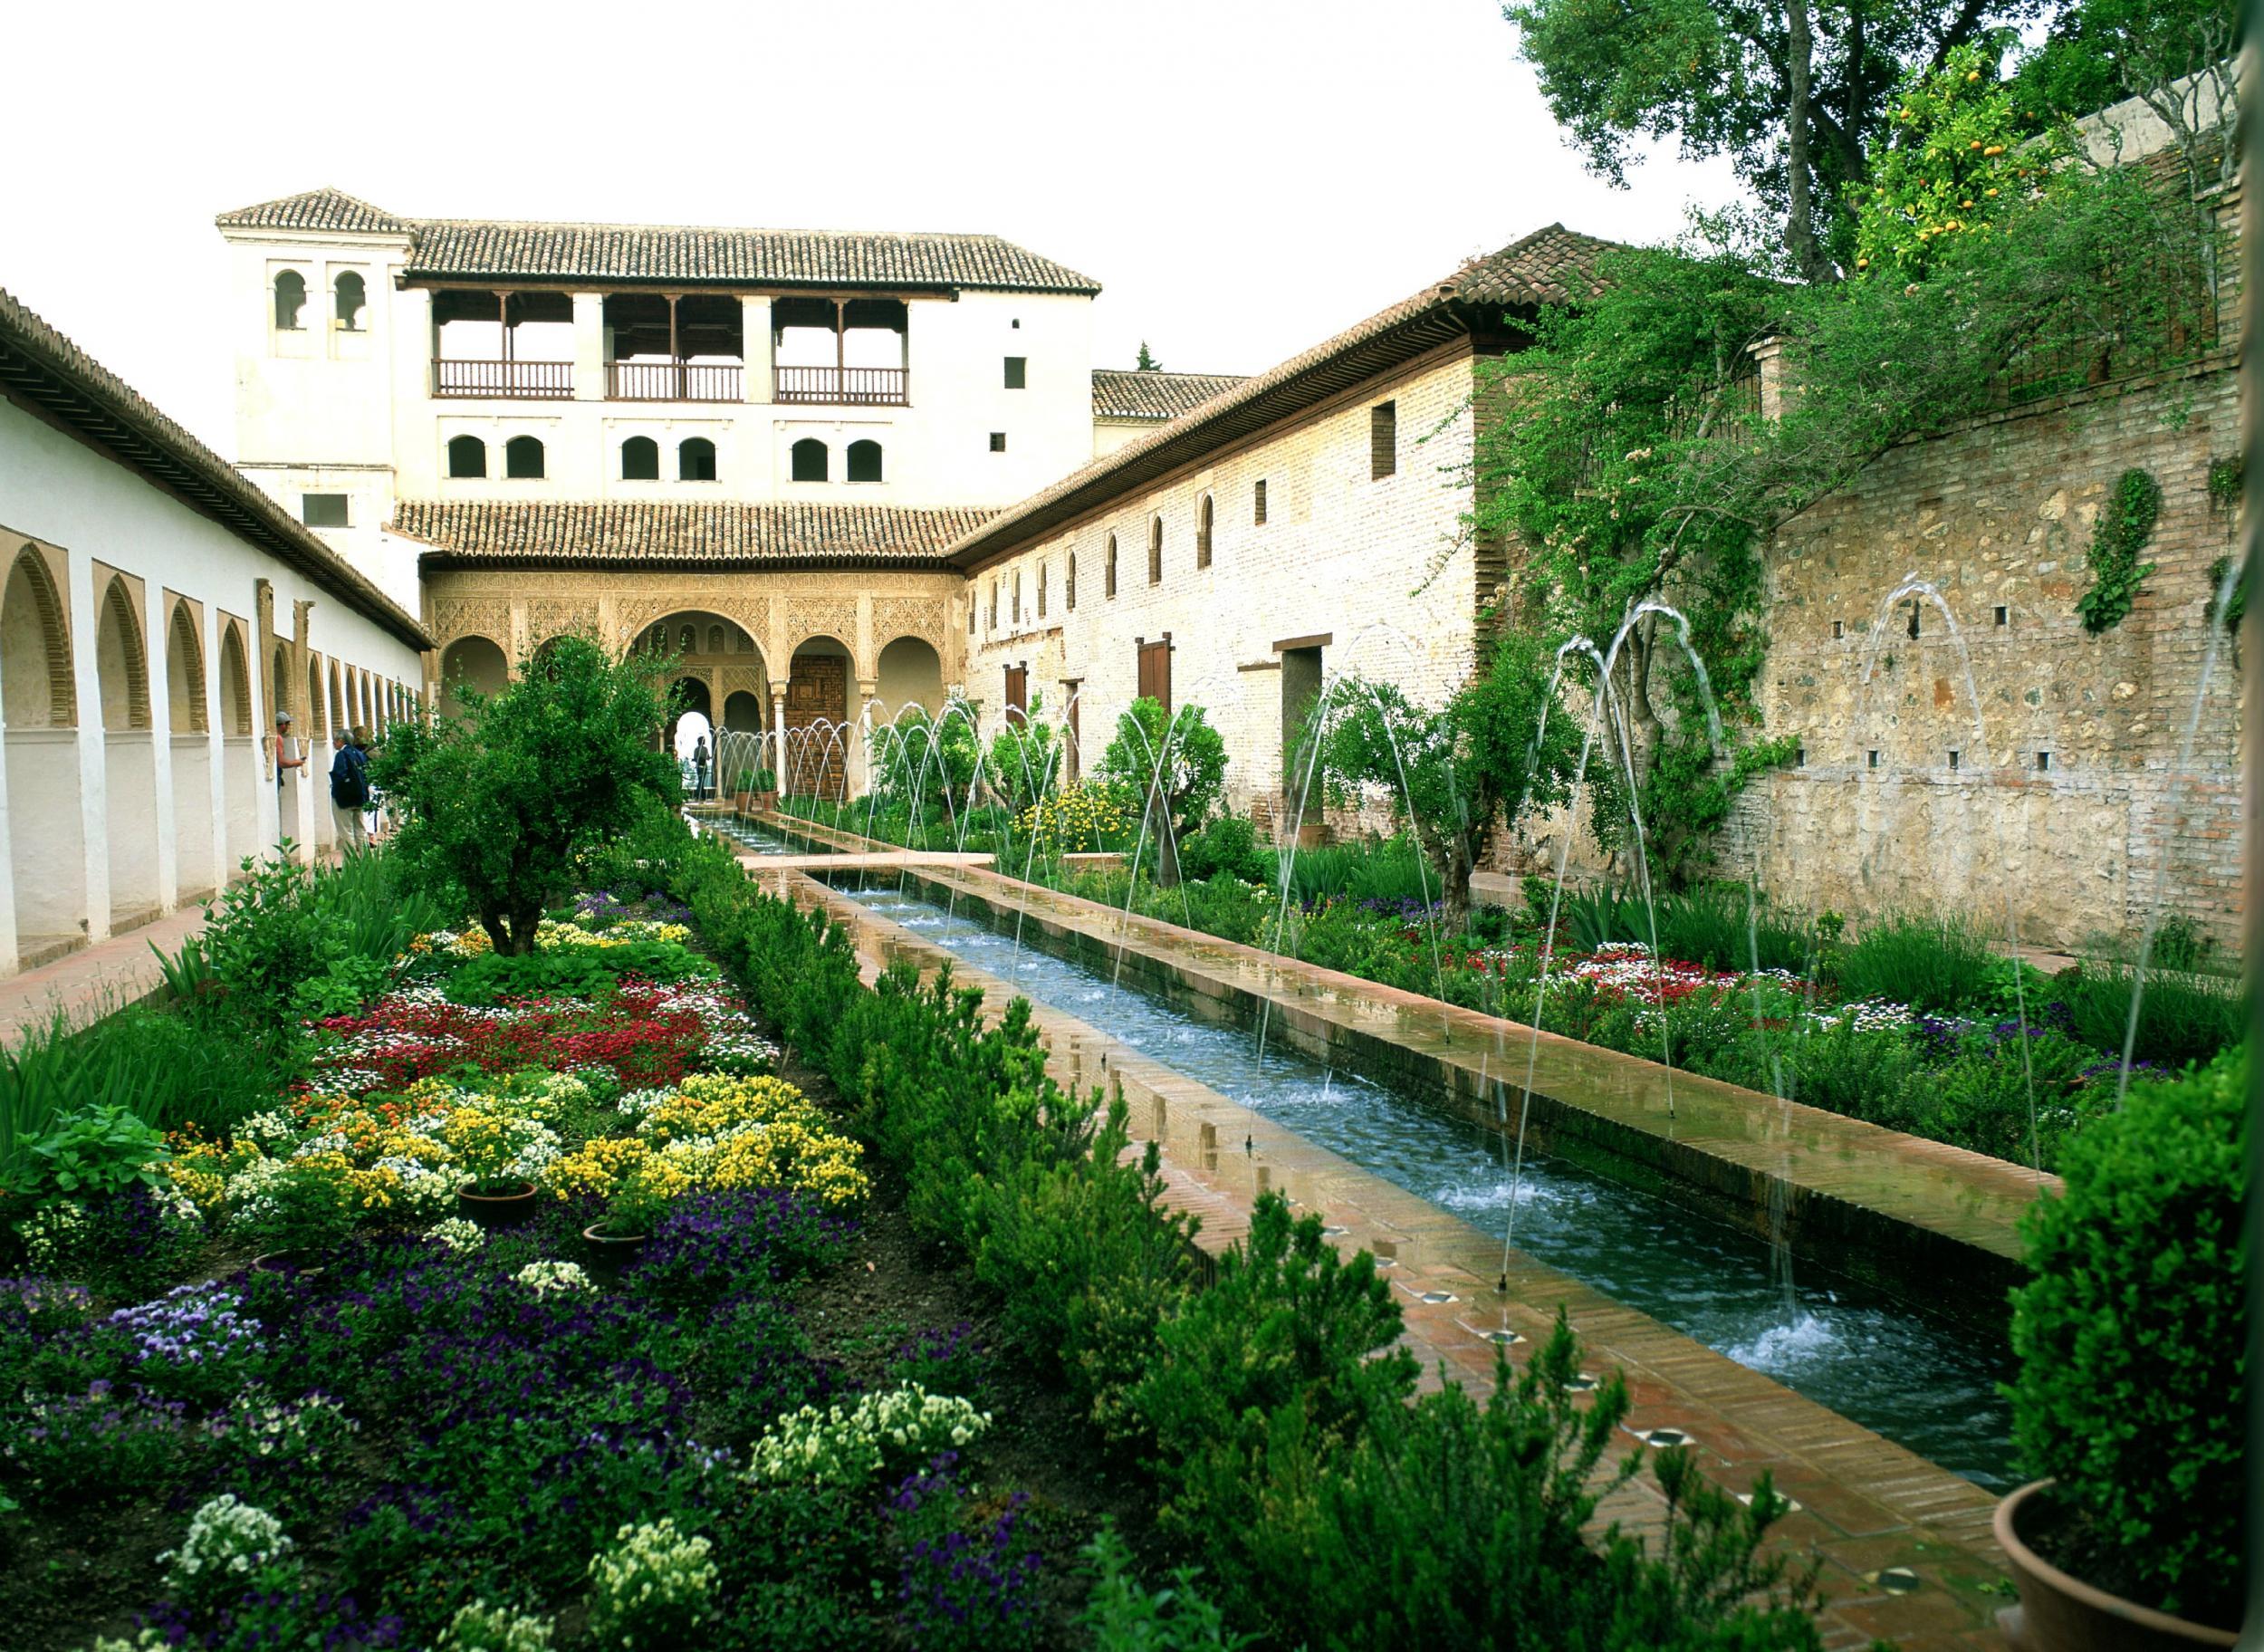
(1017, 372)
(640, 460)
(1203, 532)
(1799, 756)
(1109, 570)
(2043, 763)
(695, 459)
(998, 441)
(2004, 615)
(522, 458)
(1839, 629)
(1875, 759)
(972, 606)
(1068, 584)
(1913, 619)
(1382, 440)
(1953, 762)
(353, 298)
(1041, 591)
(809, 460)
(1155, 551)
(1017, 596)
(994, 626)
(1258, 503)
(467, 457)
(290, 300)
(322, 510)
(864, 461)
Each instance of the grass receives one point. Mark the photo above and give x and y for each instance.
(2181, 1018)
(1392, 869)
(1934, 963)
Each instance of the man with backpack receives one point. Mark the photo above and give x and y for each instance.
(349, 791)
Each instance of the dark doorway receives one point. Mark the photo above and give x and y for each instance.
(1301, 692)
(1156, 671)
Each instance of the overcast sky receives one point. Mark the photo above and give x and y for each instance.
(1242, 178)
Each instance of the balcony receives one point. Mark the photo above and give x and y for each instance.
(674, 381)
(855, 387)
(504, 380)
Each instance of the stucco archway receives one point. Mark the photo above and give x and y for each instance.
(474, 663)
(128, 756)
(38, 704)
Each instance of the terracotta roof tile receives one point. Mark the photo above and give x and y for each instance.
(462, 248)
(609, 533)
(43, 368)
(1551, 266)
(1119, 393)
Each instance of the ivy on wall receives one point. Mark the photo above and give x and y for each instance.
(2126, 526)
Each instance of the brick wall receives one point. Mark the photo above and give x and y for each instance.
(1998, 515)
(1378, 566)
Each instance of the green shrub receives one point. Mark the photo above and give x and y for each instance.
(2131, 1339)
(1124, 1616)
(1938, 963)
(1227, 847)
(570, 971)
(2181, 1018)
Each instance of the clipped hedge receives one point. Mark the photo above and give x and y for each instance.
(2131, 1338)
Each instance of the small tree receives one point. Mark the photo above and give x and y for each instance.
(1025, 760)
(1146, 363)
(1452, 773)
(1171, 769)
(930, 761)
(499, 801)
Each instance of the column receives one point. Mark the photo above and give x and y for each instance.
(225, 853)
(93, 749)
(778, 734)
(8, 956)
(266, 813)
(158, 664)
(589, 346)
(859, 761)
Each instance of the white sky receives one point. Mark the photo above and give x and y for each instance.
(1242, 176)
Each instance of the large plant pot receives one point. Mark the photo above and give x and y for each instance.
(611, 1252)
(494, 1210)
(2061, 1613)
(300, 1259)
(766, 801)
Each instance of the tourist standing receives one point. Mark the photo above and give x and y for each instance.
(699, 770)
(284, 746)
(349, 791)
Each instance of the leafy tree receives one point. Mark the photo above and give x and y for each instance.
(1499, 746)
(1793, 96)
(930, 761)
(1145, 362)
(500, 802)
(1025, 759)
(1174, 765)
(2176, 55)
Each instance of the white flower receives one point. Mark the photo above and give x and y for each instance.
(650, 1588)
(458, 1235)
(543, 1277)
(845, 1446)
(228, 1540)
(482, 1627)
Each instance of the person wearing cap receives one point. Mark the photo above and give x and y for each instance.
(284, 760)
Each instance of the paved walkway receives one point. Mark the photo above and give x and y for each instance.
(94, 980)
(1906, 1546)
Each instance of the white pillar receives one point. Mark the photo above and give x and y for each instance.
(225, 852)
(8, 955)
(777, 736)
(754, 346)
(157, 662)
(588, 346)
(93, 750)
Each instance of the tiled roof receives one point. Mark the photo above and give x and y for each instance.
(1551, 266)
(1121, 394)
(460, 248)
(42, 367)
(609, 533)
(1548, 267)
(323, 208)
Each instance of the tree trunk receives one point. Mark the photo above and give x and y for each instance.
(1455, 897)
(1644, 730)
(1808, 250)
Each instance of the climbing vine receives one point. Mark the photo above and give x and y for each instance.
(2126, 526)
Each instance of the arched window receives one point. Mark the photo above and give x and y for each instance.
(1069, 585)
(522, 458)
(864, 461)
(185, 672)
(121, 664)
(236, 683)
(1203, 532)
(695, 459)
(640, 460)
(1155, 551)
(467, 457)
(1041, 591)
(290, 300)
(1109, 570)
(809, 460)
(715, 640)
(36, 688)
(353, 298)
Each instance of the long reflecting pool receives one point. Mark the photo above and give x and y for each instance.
(757, 839)
(1928, 1384)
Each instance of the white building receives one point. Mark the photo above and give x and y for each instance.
(158, 613)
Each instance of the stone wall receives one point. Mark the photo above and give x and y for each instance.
(2068, 798)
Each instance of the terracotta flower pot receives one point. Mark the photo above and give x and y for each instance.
(611, 1252)
(2061, 1613)
(506, 1208)
(766, 802)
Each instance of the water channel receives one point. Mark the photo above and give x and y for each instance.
(1928, 1384)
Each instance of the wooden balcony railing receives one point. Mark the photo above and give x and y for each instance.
(850, 386)
(520, 380)
(674, 381)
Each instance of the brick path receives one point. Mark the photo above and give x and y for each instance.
(94, 980)
(1867, 1506)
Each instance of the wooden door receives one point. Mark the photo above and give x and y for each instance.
(817, 699)
(1018, 693)
(1156, 673)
